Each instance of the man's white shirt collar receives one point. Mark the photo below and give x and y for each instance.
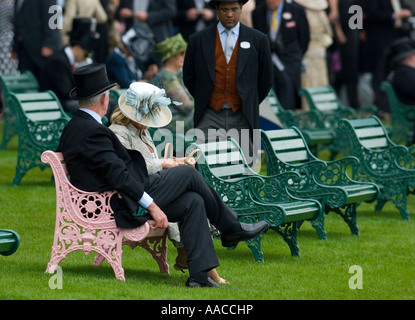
(235, 29)
(70, 55)
(93, 114)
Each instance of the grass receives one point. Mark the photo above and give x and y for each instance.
(384, 251)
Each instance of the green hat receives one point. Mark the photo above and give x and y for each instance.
(171, 46)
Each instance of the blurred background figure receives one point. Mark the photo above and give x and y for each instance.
(384, 22)
(57, 70)
(321, 37)
(34, 40)
(169, 78)
(193, 16)
(155, 16)
(401, 62)
(285, 22)
(121, 63)
(88, 9)
(345, 51)
(7, 65)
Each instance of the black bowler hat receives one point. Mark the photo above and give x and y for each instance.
(90, 80)
(214, 3)
(400, 49)
(84, 33)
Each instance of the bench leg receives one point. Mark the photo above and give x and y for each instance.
(318, 225)
(9, 127)
(380, 203)
(288, 231)
(399, 199)
(157, 247)
(350, 217)
(255, 246)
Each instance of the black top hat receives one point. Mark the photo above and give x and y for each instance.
(214, 3)
(84, 33)
(400, 49)
(90, 81)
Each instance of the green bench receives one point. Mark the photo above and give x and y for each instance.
(327, 182)
(402, 116)
(40, 121)
(318, 137)
(325, 100)
(254, 197)
(23, 83)
(390, 166)
(9, 242)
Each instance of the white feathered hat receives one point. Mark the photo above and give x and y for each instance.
(146, 104)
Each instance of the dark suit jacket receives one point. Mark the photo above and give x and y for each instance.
(32, 31)
(97, 161)
(293, 35)
(119, 72)
(57, 76)
(379, 26)
(254, 70)
(187, 27)
(403, 79)
(160, 17)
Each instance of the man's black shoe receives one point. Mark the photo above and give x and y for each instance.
(249, 231)
(190, 283)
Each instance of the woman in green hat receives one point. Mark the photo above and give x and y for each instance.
(169, 77)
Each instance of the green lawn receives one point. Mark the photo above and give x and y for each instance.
(384, 251)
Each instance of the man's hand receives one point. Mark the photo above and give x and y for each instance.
(46, 52)
(126, 13)
(158, 215)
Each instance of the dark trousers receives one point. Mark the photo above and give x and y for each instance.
(185, 197)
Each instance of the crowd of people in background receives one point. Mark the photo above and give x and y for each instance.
(312, 43)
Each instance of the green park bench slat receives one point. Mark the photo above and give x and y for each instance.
(319, 133)
(22, 83)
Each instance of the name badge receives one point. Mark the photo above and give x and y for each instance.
(245, 45)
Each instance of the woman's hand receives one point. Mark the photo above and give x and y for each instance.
(174, 162)
(169, 163)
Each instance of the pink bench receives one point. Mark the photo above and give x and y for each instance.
(85, 221)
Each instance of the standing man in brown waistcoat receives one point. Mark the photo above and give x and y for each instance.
(228, 71)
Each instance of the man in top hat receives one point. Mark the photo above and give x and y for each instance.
(97, 161)
(228, 71)
(57, 71)
(402, 77)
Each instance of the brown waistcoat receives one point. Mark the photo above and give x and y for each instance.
(224, 89)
